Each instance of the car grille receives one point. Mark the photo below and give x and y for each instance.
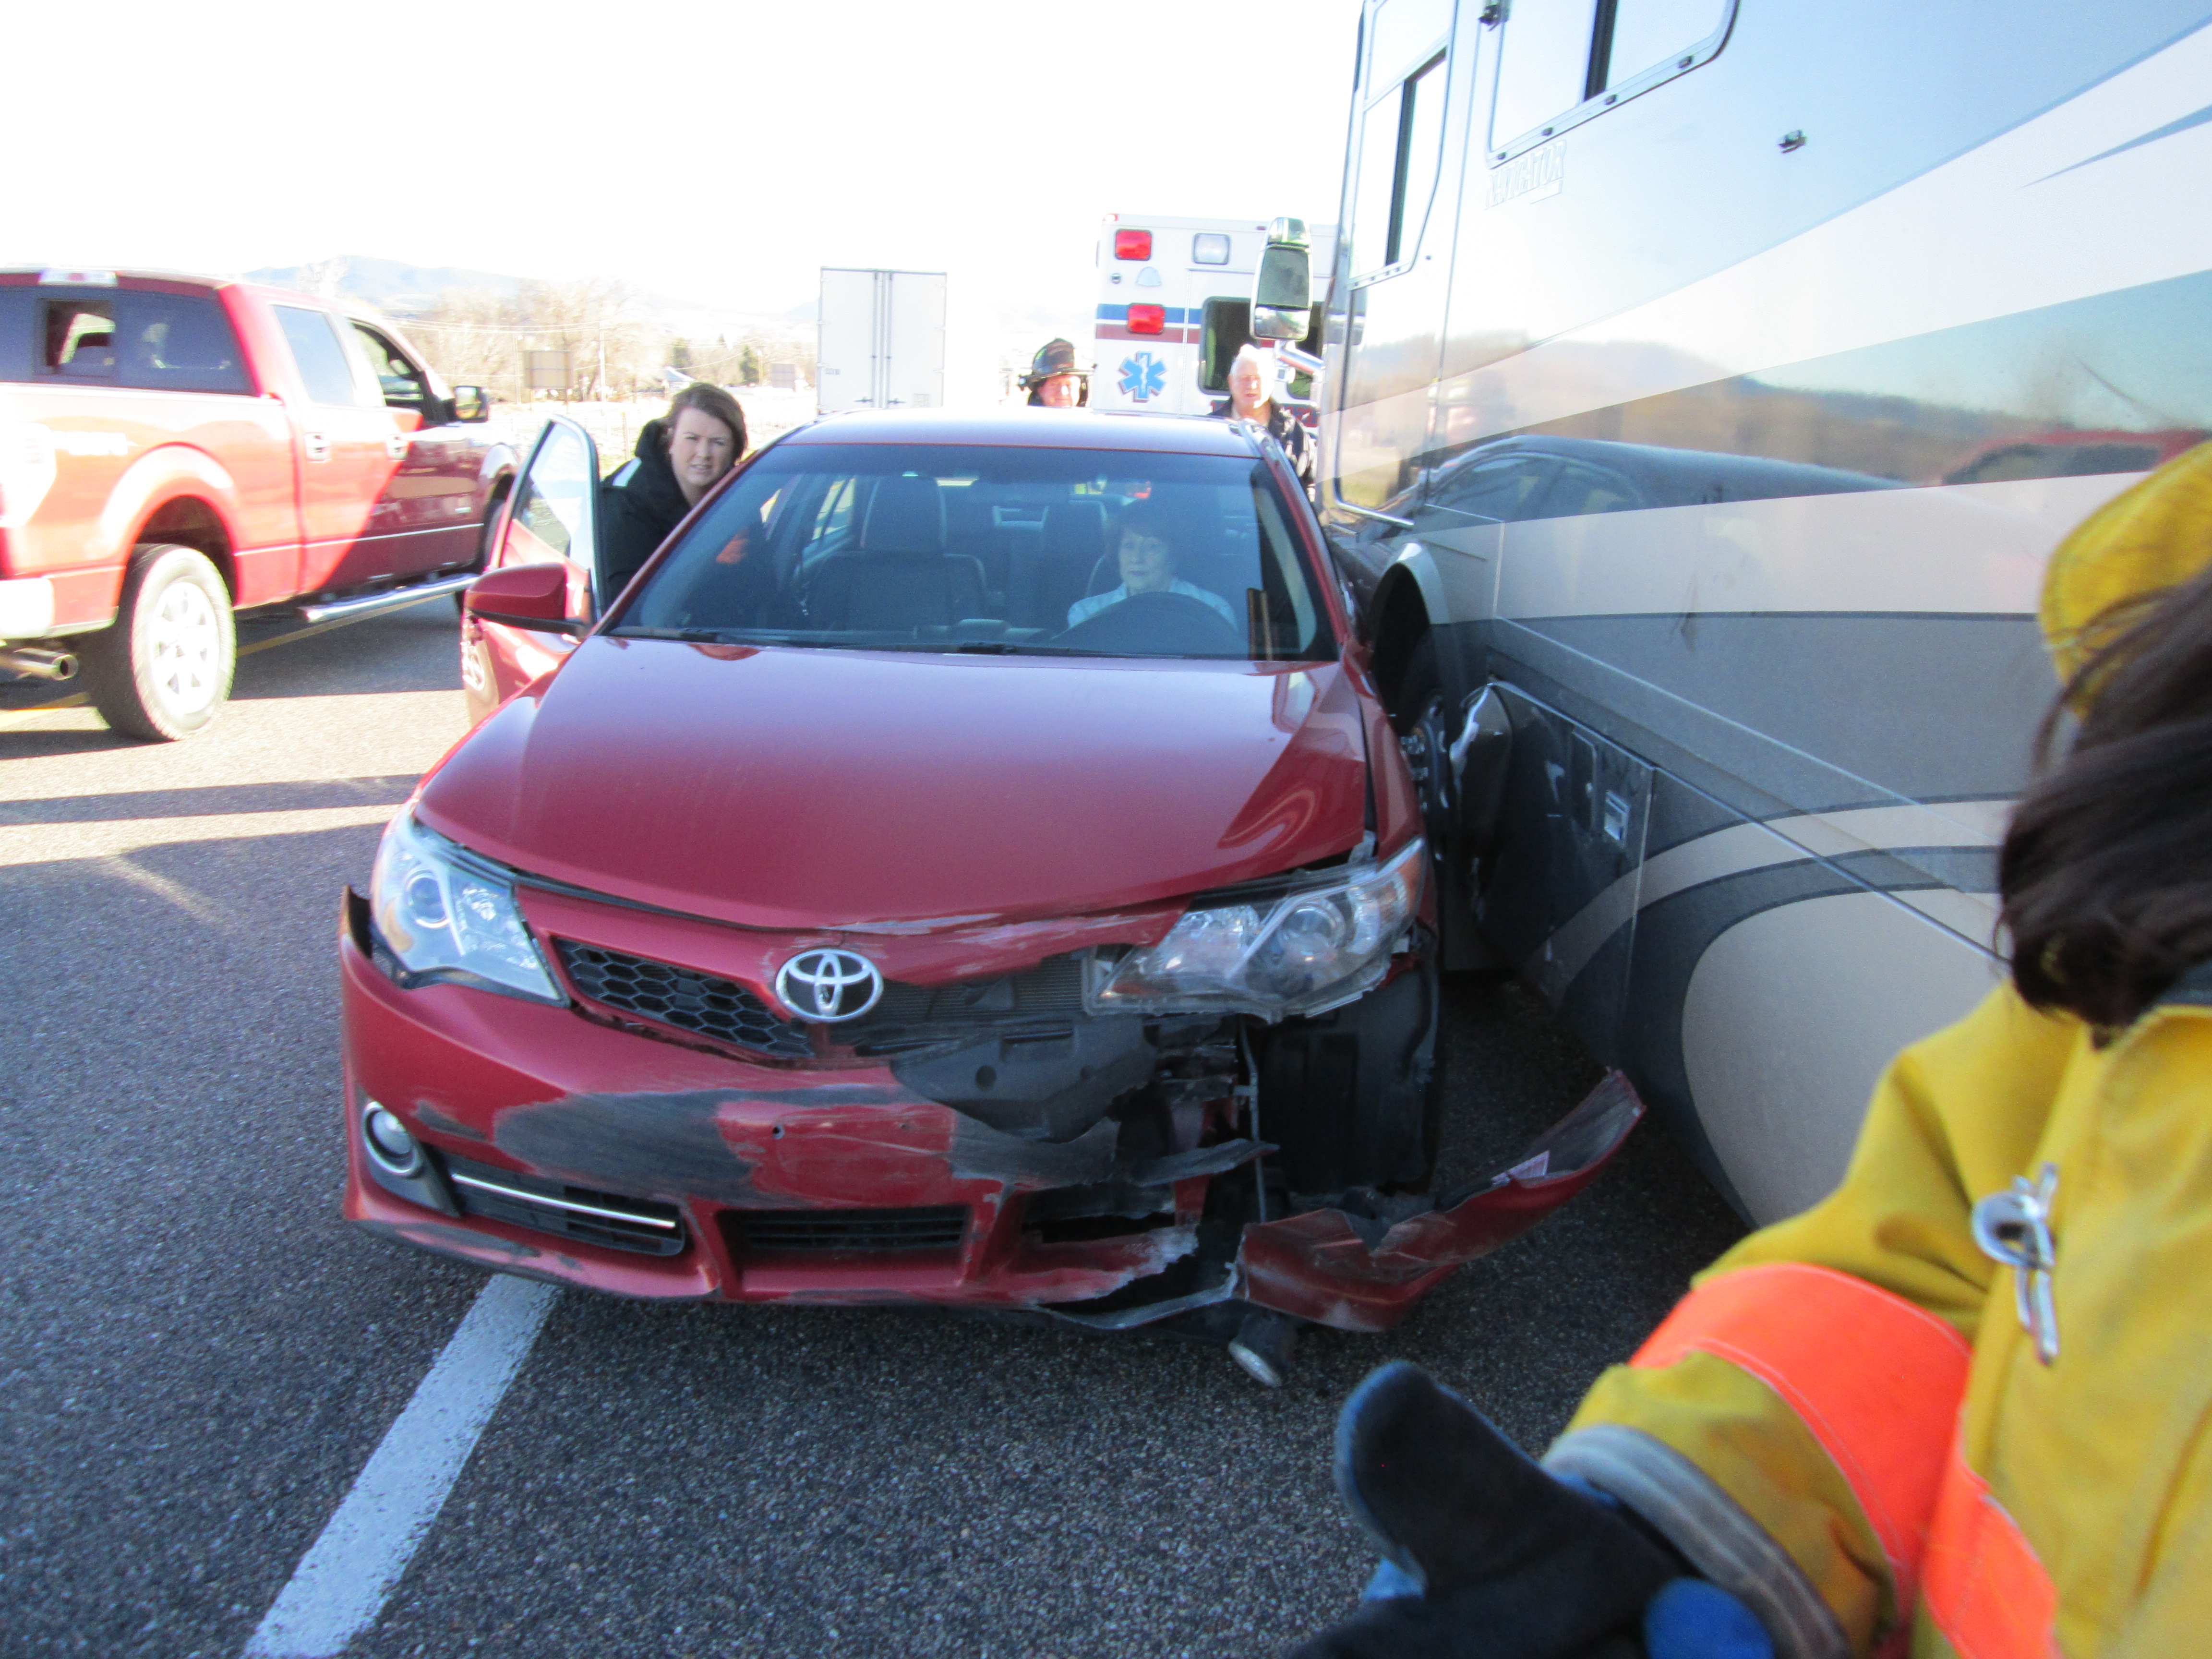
(935, 1227)
(683, 997)
(576, 1212)
(904, 1017)
(917, 1013)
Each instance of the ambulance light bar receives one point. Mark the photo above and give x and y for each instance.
(1132, 243)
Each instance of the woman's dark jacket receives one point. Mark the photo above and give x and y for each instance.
(636, 514)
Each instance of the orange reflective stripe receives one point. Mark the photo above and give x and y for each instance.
(1985, 1590)
(1875, 1378)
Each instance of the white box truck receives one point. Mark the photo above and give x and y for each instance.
(1174, 303)
(880, 343)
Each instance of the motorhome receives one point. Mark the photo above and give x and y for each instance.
(1707, 383)
(1174, 303)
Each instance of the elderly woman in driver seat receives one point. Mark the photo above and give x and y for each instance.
(1144, 547)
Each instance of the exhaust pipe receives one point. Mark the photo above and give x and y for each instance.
(40, 663)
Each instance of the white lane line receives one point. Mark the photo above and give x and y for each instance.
(343, 1581)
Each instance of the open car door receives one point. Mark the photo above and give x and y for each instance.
(551, 518)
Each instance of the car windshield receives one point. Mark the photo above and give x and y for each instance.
(907, 547)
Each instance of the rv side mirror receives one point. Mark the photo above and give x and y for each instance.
(1282, 295)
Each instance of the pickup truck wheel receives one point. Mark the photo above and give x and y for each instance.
(163, 670)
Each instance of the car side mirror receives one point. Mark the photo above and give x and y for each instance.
(532, 596)
(1282, 293)
(471, 404)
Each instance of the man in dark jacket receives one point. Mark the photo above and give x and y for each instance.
(1251, 398)
(679, 458)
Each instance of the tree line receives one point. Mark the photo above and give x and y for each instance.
(612, 346)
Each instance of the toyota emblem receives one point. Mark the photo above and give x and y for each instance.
(828, 985)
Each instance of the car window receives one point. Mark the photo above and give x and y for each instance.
(552, 503)
(324, 369)
(399, 382)
(178, 343)
(946, 547)
(1581, 490)
(1507, 488)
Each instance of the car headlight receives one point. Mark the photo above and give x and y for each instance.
(1302, 953)
(445, 914)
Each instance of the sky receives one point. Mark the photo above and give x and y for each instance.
(718, 155)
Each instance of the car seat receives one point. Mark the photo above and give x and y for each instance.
(1052, 577)
(902, 577)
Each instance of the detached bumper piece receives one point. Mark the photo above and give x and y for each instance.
(1361, 1270)
(606, 1219)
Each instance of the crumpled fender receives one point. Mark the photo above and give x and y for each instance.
(1362, 1273)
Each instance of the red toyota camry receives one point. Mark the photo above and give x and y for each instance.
(968, 865)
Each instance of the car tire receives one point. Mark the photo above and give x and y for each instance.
(162, 671)
(483, 541)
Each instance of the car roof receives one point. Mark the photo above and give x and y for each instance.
(1032, 429)
(1652, 461)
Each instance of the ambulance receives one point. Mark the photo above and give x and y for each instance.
(1174, 303)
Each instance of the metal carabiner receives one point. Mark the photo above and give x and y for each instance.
(2013, 1228)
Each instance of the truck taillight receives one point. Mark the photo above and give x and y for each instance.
(1147, 319)
(1133, 245)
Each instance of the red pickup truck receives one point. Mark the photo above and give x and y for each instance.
(175, 449)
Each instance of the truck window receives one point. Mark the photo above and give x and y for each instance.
(1401, 145)
(179, 342)
(80, 338)
(398, 382)
(324, 368)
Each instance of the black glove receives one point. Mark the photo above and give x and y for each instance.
(1514, 1564)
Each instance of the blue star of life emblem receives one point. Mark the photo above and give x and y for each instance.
(1143, 376)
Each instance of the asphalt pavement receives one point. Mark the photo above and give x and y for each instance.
(199, 1357)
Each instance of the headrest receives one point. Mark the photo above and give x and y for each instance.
(905, 515)
(1075, 526)
(2151, 537)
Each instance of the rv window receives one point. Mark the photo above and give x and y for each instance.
(1401, 145)
(1543, 64)
(1648, 32)
(1559, 54)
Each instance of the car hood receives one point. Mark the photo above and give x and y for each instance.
(806, 788)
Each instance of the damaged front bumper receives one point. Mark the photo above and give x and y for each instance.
(1098, 1170)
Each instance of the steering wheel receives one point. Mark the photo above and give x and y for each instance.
(1167, 624)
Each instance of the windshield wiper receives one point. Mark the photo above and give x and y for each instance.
(1024, 649)
(689, 636)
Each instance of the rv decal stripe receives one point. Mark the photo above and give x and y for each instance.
(2196, 119)
(1968, 825)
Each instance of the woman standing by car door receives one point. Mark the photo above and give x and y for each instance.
(680, 456)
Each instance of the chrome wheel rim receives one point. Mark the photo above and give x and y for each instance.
(184, 649)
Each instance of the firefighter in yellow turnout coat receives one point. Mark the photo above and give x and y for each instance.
(1964, 1406)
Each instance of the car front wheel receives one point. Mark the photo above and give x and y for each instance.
(163, 671)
